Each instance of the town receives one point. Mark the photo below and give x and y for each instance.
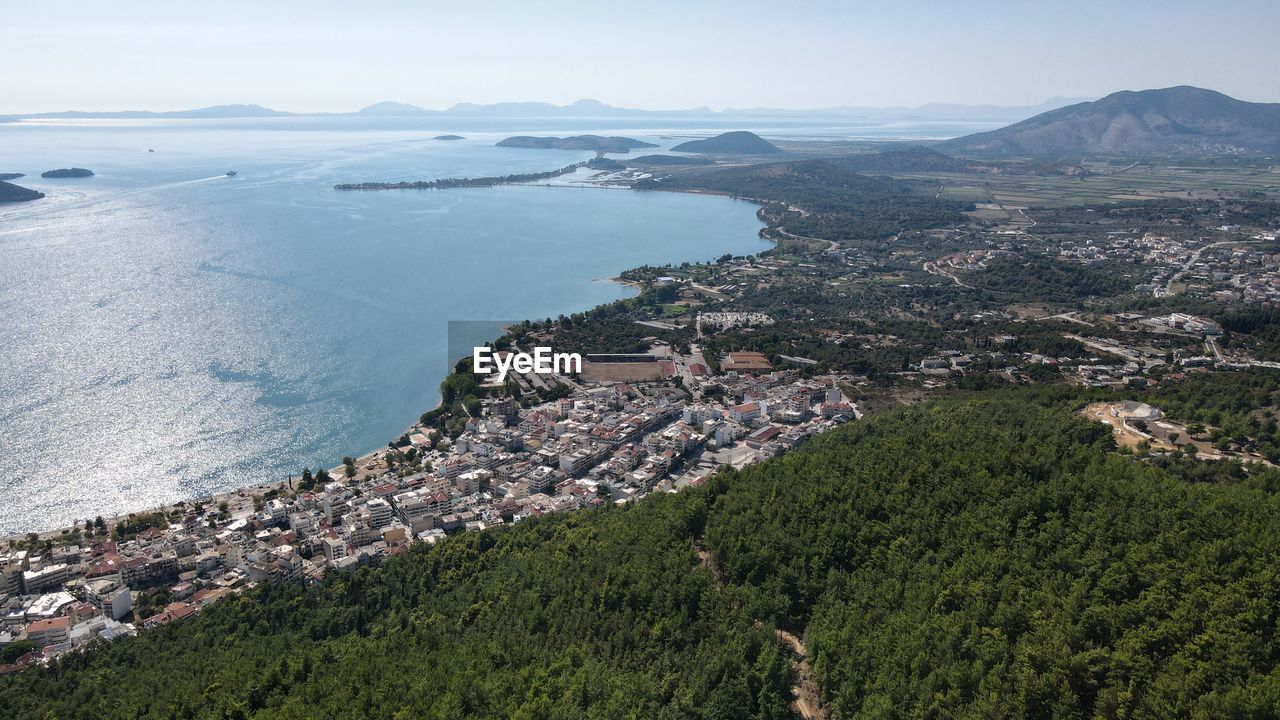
(607, 442)
(618, 426)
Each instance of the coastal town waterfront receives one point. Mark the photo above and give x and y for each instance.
(602, 442)
(174, 333)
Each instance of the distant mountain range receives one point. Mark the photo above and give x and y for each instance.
(587, 109)
(1179, 120)
(215, 112)
(1170, 121)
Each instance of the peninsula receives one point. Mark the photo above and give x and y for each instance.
(16, 193)
(446, 183)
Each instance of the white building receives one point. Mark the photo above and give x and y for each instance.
(111, 598)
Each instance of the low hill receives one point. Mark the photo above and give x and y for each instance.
(738, 142)
(906, 159)
(1171, 121)
(15, 193)
(669, 160)
(834, 202)
(974, 558)
(237, 110)
(595, 143)
(394, 109)
(448, 137)
(75, 172)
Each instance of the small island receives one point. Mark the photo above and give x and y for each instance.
(74, 172)
(448, 137)
(447, 183)
(16, 193)
(738, 142)
(596, 143)
(10, 176)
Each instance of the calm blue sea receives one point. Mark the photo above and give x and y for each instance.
(168, 331)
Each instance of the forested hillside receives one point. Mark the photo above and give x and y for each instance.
(983, 557)
(1179, 120)
(1038, 277)
(821, 199)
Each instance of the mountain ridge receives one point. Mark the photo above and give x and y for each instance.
(1180, 120)
(580, 108)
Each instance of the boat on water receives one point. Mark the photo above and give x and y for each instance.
(231, 173)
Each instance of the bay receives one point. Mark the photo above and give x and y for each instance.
(170, 332)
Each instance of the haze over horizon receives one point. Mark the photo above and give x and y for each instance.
(329, 57)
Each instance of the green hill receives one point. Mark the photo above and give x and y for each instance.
(738, 142)
(838, 203)
(975, 558)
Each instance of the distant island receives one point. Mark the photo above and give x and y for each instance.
(447, 183)
(596, 143)
(74, 172)
(448, 137)
(738, 142)
(15, 193)
(10, 176)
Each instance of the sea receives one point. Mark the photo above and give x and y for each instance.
(168, 331)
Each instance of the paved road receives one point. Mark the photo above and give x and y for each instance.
(933, 268)
(1195, 258)
(1126, 353)
(1069, 317)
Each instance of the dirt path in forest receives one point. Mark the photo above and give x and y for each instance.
(808, 699)
(807, 696)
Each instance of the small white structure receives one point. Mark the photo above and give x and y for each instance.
(1132, 410)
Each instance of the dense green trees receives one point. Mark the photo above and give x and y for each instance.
(993, 560)
(1259, 324)
(449, 183)
(834, 203)
(1040, 278)
(1229, 408)
(984, 557)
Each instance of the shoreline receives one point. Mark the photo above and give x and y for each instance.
(245, 494)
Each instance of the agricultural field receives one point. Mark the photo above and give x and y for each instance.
(1109, 183)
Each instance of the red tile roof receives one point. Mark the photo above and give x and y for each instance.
(50, 624)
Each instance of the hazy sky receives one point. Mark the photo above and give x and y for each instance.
(321, 55)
